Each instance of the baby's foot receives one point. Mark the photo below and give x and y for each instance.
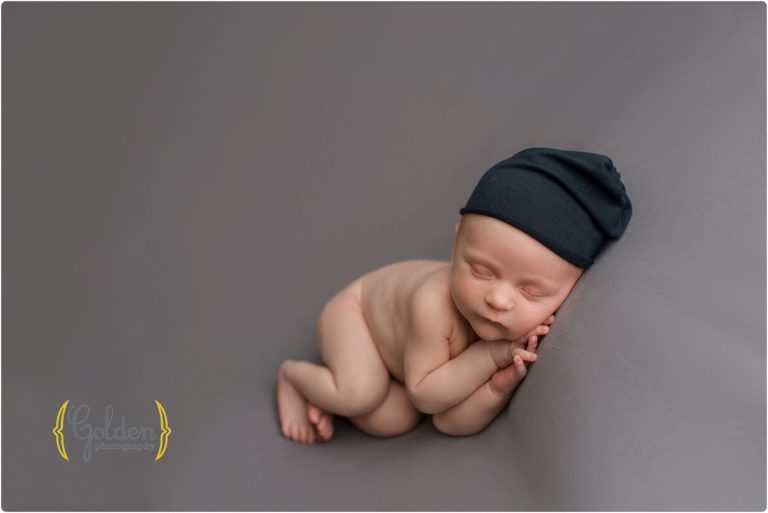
(322, 420)
(292, 408)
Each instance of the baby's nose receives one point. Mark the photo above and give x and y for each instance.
(500, 299)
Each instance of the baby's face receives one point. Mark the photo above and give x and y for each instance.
(505, 282)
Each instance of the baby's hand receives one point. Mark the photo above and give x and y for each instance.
(504, 351)
(542, 329)
(505, 380)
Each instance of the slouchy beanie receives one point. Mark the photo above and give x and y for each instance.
(570, 201)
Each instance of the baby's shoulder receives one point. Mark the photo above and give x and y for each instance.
(433, 289)
(432, 301)
(436, 303)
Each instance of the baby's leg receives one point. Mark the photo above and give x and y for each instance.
(396, 415)
(355, 380)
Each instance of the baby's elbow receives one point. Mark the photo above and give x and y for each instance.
(416, 398)
(419, 401)
(429, 408)
(440, 423)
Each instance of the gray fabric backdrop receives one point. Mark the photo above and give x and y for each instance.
(186, 184)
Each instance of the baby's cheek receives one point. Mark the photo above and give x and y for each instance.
(463, 291)
(474, 289)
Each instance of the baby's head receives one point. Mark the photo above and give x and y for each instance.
(533, 224)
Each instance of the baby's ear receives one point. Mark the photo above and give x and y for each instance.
(456, 229)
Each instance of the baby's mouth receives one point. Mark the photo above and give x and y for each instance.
(491, 321)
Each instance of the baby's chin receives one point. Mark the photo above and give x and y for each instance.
(487, 330)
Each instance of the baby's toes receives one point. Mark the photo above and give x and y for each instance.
(308, 434)
(325, 427)
(298, 432)
(313, 412)
(291, 431)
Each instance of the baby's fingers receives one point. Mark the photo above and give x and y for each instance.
(533, 341)
(528, 356)
(539, 331)
(520, 369)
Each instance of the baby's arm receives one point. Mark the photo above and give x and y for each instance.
(434, 382)
(475, 412)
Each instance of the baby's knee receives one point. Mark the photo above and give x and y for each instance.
(361, 397)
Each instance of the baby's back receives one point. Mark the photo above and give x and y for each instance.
(385, 298)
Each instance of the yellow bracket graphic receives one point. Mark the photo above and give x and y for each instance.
(165, 430)
(58, 430)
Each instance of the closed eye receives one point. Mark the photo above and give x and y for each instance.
(481, 271)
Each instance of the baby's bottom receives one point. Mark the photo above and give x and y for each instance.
(355, 383)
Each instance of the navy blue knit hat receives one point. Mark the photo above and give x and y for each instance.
(570, 201)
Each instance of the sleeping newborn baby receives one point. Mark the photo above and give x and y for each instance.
(454, 339)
